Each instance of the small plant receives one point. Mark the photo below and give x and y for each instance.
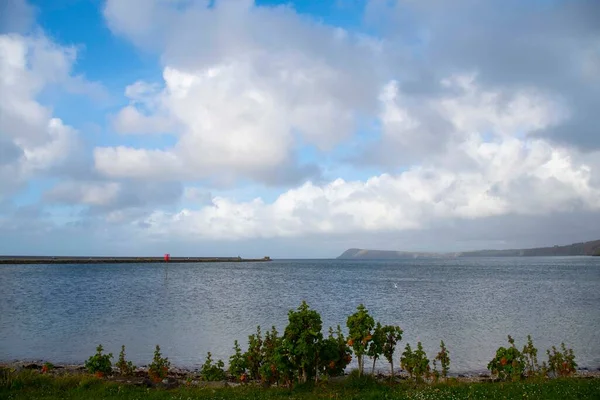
(359, 326)
(529, 352)
(269, 371)
(253, 355)
(159, 368)
(444, 358)
(99, 364)
(302, 337)
(126, 368)
(415, 362)
(393, 334)
(509, 363)
(47, 367)
(561, 363)
(237, 362)
(375, 349)
(335, 354)
(212, 372)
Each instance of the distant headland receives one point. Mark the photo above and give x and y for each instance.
(576, 249)
(121, 260)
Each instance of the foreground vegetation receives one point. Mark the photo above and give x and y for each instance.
(33, 385)
(303, 363)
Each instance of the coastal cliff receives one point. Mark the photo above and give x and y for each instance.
(591, 248)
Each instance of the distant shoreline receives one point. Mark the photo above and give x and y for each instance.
(121, 260)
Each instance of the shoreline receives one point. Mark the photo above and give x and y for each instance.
(182, 373)
(20, 260)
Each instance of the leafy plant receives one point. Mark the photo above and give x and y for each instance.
(335, 354)
(47, 367)
(269, 371)
(359, 326)
(126, 368)
(561, 363)
(529, 352)
(99, 363)
(509, 363)
(393, 334)
(415, 362)
(253, 355)
(303, 338)
(212, 371)
(237, 362)
(376, 344)
(444, 358)
(159, 368)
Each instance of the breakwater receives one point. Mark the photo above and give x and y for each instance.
(121, 260)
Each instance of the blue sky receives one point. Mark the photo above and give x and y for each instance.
(297, 129)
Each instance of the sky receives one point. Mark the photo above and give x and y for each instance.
(297, 129)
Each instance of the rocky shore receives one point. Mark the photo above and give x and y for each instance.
(191, 377)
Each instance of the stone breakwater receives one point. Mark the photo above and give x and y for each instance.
(121, 260)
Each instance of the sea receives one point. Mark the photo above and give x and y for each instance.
(60, 313)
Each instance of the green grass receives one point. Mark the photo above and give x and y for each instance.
(33, 385)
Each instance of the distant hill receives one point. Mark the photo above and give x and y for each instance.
(576, 249)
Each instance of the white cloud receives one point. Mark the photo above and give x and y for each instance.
(239, 100)
(39, 140)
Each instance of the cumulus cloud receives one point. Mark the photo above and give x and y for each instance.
(33, 141)
(241, 99)
(472, 135)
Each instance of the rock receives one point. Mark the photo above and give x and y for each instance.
(341, 378)
(32, 366)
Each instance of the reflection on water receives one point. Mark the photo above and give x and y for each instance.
(61, 312)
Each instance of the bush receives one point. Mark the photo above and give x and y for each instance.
(159, 368)
(393, 334)
(237, 363)
(415, 362)
(561, 363)
(444, 358)
(253, 355)
(509, 363)
(302, 339)
(359, 326)
(335, 354)
(270, 368)
(529, 352)
(99, 363)
(126, 368)
(212, 372)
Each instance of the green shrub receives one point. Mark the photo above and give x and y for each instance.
(375, 349)
(302, 337)
(99, 363)
(253, 355)
(393, 334)
(212, 371)
(359, 326)
(159, 368)
(270, 367)
(561, 363)
(415, 362)
(529, 352)
(237, 363)
(444, 358)
(126, 368)
(335, 354)
(509, 363)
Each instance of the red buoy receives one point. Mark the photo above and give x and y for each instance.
(167, 257)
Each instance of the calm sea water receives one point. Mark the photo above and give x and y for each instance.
(61, 312)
